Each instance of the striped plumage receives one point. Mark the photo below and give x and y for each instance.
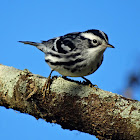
(75, 54)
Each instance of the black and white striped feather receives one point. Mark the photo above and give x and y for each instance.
(75, 54)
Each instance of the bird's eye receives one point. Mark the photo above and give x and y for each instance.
(95, 41)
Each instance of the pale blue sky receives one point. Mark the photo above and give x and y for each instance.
(36, 20)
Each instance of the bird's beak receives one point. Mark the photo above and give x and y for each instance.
(109, 45)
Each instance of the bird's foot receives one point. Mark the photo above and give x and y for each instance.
(71, 80)
(46, 87)
(88, 82)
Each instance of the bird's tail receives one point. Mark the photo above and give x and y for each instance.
(40, 46)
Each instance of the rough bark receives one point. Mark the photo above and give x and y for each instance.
(73, 105)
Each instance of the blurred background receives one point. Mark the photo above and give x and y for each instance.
(42, 20)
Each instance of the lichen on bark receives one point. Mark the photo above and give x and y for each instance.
(74, 106)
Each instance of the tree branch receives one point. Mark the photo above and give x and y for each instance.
(72, 105)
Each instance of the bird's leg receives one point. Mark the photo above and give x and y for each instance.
(68, 79)
(47, 85)
(88, 82)
(65, 77)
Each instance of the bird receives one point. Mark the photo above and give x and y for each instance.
(75, 54)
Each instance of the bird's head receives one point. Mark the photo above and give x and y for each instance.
(97, 39)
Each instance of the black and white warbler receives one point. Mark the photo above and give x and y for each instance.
(75, 54)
